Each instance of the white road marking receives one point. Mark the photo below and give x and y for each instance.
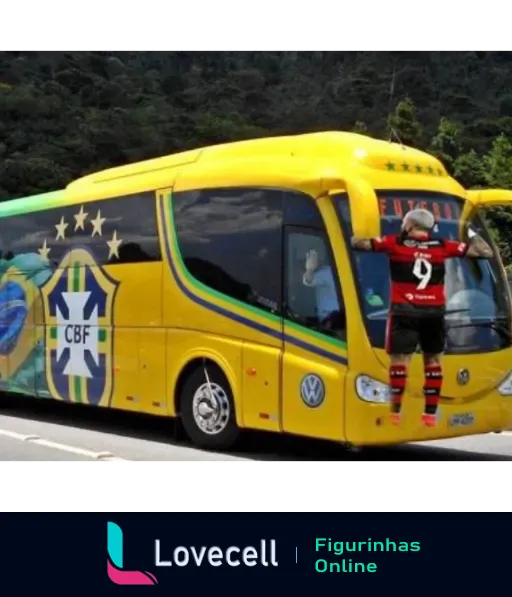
(108, 456)
(35, 439)
(109, 447)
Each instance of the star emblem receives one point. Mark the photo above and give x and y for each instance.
(61, 229)
(44, 251)
(80, 218)
(113, 246)
(97, 223)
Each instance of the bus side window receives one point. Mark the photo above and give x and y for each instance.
(117, 230)
(314, 301)
(318, 306)
(30, 240)
(231, 241)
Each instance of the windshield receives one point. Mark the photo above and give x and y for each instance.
(477, 298)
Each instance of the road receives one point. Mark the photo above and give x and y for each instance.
(45, 430)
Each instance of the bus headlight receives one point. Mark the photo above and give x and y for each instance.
(371, 390)
(505, 387)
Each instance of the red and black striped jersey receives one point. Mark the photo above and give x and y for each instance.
(417, 269)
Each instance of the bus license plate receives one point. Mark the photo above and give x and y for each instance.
(462, 420)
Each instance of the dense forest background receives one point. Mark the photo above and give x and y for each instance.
(65, 114)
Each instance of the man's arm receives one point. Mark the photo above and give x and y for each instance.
(478, 248)
(383, 244)
(361, 244)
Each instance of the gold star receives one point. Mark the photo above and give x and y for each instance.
(61, 229)
(113, 246)
(80, 218)
(97, 223)
(44, 251)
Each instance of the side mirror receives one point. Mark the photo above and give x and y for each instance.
(364, 207)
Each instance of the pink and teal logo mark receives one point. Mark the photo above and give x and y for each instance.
(115, 569)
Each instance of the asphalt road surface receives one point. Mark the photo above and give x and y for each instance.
(46, 430)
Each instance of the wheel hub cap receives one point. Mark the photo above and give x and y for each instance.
(210, 407)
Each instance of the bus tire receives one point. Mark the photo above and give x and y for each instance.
(209, 424)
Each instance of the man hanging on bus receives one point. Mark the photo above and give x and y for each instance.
(417, 305)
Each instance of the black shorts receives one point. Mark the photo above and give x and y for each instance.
(405, 333)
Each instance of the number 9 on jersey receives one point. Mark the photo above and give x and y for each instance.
(422, 270)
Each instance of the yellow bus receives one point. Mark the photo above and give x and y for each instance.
(175, 287)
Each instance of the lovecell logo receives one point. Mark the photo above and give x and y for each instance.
(168, 556)
(115, 569)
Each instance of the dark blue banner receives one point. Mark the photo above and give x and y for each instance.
(254, 554)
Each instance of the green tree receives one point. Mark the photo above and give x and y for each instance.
(403, 124)
(469, 170)
(360, 128)
(64, 114)
(498, 164)
(498, 174)
(446, 144)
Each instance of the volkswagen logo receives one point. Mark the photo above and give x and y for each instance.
(463, 377)
(312, 390)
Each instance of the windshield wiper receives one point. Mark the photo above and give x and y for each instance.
(493, 325)
(379, 314)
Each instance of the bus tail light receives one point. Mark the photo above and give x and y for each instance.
(371, 390)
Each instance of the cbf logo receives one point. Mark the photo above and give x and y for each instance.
(78, 304)
(312, 390)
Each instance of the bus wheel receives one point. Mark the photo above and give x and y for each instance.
(207, 409)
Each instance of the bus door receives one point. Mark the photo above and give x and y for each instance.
(315, 360)
(315, 352)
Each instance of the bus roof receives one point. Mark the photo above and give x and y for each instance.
(349, 148)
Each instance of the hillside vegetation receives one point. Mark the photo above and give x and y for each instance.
(65, 114)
